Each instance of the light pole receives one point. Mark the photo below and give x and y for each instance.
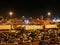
(49, 14)
(11, 13)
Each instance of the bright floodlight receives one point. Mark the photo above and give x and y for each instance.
(49, 13)
(11, 13)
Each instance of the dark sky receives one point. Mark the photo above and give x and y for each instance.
(30, 7)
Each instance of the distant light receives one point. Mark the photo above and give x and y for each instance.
(23, 17)
(56, 20)
(49, 13)
(26, 21)
(11, 13)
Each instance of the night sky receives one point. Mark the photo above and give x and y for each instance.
(30, 8)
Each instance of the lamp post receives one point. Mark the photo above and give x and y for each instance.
(49, 14)
(11, 13)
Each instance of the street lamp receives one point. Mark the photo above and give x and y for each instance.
(49, 13)
(11, 13)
